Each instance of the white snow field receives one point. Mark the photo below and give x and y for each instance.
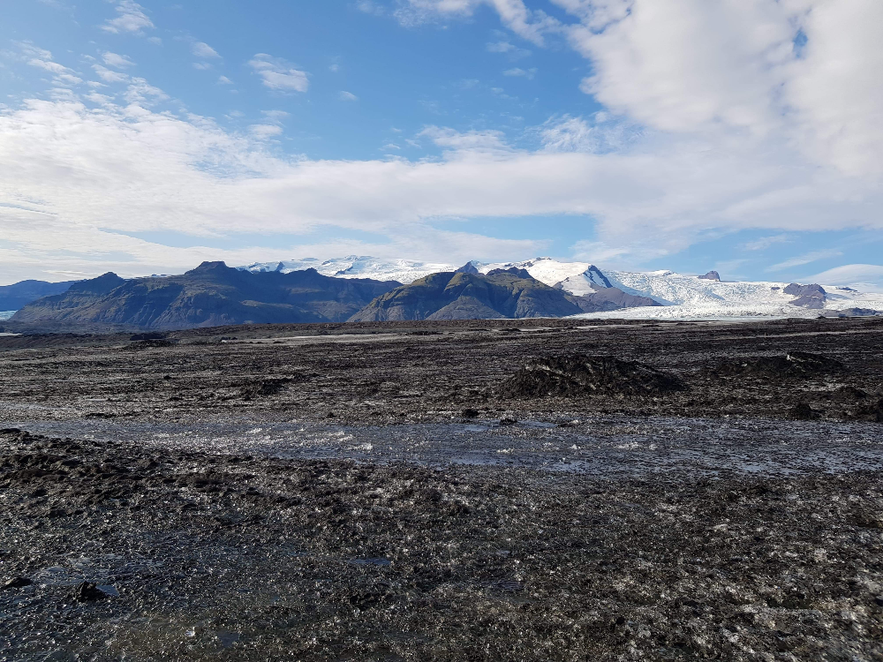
(683, 297)
(354, 266)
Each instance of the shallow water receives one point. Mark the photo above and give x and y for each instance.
(603, 446)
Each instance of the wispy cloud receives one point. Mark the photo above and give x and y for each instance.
(867, 276)
(277, 74)
(130, 18)
(223, 80)
(766, 242)
(806, 258)
(42, 59)
(347, 96)
(108, 75)
(524, 73)
(203, 50)
(116, 60)
(264, 131)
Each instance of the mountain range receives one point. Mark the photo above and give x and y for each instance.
(213, 294)
(363, 288)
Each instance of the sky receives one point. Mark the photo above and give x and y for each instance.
(144, 137)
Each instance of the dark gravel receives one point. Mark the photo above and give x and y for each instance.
(135, 550)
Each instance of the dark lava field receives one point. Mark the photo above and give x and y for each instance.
(496, 490)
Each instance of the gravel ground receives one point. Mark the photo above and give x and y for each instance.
(144, 518)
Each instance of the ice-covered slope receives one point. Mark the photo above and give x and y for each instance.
(354, 266)
(575, 277)
(682, 296)
(691, 297)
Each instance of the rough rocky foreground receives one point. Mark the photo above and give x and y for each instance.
(139, 551)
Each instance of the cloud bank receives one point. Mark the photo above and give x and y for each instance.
(738, 114)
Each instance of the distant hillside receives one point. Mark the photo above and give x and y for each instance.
(511, 293)
(210, 295)
(18, 295)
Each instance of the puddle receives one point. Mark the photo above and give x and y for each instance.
(228, 639)
(601, 446)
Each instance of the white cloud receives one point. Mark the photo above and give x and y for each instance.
(806, 258)
(142, 92)
(600, 134)
(264, 131)
(68, 79)
(867, 276)
(48, 65)
(526, 23)
(202, 66)
(108, 75)
(277, 74)
(203, 50)
(524, 73)
(370, 7)
(765, 242)
(347, 96)
(130, 18)
(500, 47)
(223, 80)
(42, 59)
(470, 144)
(117, 61)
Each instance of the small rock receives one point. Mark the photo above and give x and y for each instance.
(507, 421)
(17, 582)
(88, 592)
(803, 412)
(469, 413)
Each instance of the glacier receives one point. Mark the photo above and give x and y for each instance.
(683, 296)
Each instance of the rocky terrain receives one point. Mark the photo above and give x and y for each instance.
(499, 490)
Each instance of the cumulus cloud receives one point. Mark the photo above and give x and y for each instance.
(72, 166)
(130, 18)
(714, 122)
(277, 74)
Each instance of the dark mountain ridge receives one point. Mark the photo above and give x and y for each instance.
(213, 294)
(18, 295)
(502, 293)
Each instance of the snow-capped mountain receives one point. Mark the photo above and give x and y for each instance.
(579, 278)
(682, 296)
(355, 266)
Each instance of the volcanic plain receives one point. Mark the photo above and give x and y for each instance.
(494, 490)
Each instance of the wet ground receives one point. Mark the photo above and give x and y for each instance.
(405, 493)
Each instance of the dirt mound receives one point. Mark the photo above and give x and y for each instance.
(149, 344)
(575, 374)
(266, 388)
(872, 412)
(791, 365)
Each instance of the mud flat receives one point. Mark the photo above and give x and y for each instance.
(483, 491)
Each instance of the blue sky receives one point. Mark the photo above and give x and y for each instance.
(147, 136)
